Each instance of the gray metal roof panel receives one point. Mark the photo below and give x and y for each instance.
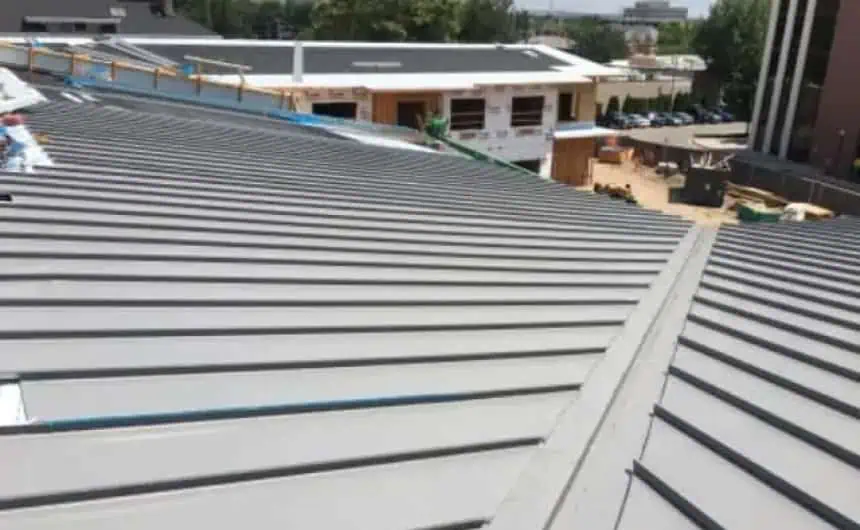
(152, 453)
(117, 356)
(762, 394)
(179, 393)
(460, 489)
(320, 280)
(643, 504)
(306, 279)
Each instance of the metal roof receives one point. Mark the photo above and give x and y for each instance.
(756, 424)
(213, 324)
(230, 305)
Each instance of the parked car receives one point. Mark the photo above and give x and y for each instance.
(657, 119)
(639, 120)
(725, 116)
(704, 116)
(671, 120)
(616, 120)
(685, 118)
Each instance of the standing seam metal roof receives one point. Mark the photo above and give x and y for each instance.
(762, 395)
(199, 329)
(315, 333)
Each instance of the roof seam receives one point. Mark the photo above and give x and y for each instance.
(775, 421)
(788, 384)
(538, 507)
(673, 497)
(256, 475)
(761, 473)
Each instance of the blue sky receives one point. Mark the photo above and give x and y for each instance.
(697, 7)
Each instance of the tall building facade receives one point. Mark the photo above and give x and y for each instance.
(655, 11)
(807, 105)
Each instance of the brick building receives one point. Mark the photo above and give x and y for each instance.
(806, 108)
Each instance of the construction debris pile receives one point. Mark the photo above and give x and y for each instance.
(754, 204)
(617, 192)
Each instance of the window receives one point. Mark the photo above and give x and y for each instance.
(34, 27)
(347, 109)
(527, 111)
(565, 106)
(80, 27)
(467, 114)
(107, 28)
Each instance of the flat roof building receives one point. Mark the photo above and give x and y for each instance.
(655, 11)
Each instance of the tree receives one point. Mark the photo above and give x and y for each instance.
(596, 41)
(731, 40)
(613, 105)
(487, 21)
(682, 102)
(629, 105)
(430, 20)
(676, 37)
(385, 20)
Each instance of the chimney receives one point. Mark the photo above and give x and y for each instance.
(298, 62)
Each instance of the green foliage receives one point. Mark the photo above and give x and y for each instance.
(676, 38)
(613, 105)
(596, 41)
(662, 103)
(731, 41)
(681, 102)
(487, 21)
(628, 105)
(246, 18)
(385, 20)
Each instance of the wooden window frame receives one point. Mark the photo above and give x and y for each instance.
(468, 120)
(529, 117)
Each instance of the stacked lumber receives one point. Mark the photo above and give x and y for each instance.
(755, 195)
(754, 204)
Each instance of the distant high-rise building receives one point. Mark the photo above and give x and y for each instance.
(654, 11)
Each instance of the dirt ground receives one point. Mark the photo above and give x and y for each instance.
(652, 191)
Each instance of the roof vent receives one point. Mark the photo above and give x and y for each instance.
(118, 12)
(531, 53)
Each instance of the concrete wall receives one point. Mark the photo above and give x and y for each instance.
(839, 106)
(585, 97)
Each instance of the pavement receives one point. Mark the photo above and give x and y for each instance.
(683, 136)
